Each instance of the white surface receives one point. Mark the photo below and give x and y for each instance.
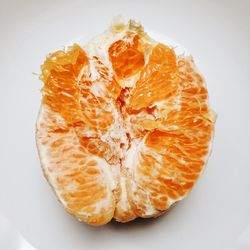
(10, 239)
(216, 213)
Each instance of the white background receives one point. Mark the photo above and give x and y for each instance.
(216, 215)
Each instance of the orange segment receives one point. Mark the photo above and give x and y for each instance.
(59, 74)
(157, 79)
(78, 178)
(126, 57)
(173, 159)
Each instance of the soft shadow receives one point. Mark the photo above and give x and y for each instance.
(132, 225)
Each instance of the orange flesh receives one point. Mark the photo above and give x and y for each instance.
(59, 74)
(157, 78)
(125, 56)
(176, 133)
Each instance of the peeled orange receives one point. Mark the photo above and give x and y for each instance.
(124, 129)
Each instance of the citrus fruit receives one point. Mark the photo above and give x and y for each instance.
(124, 129)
